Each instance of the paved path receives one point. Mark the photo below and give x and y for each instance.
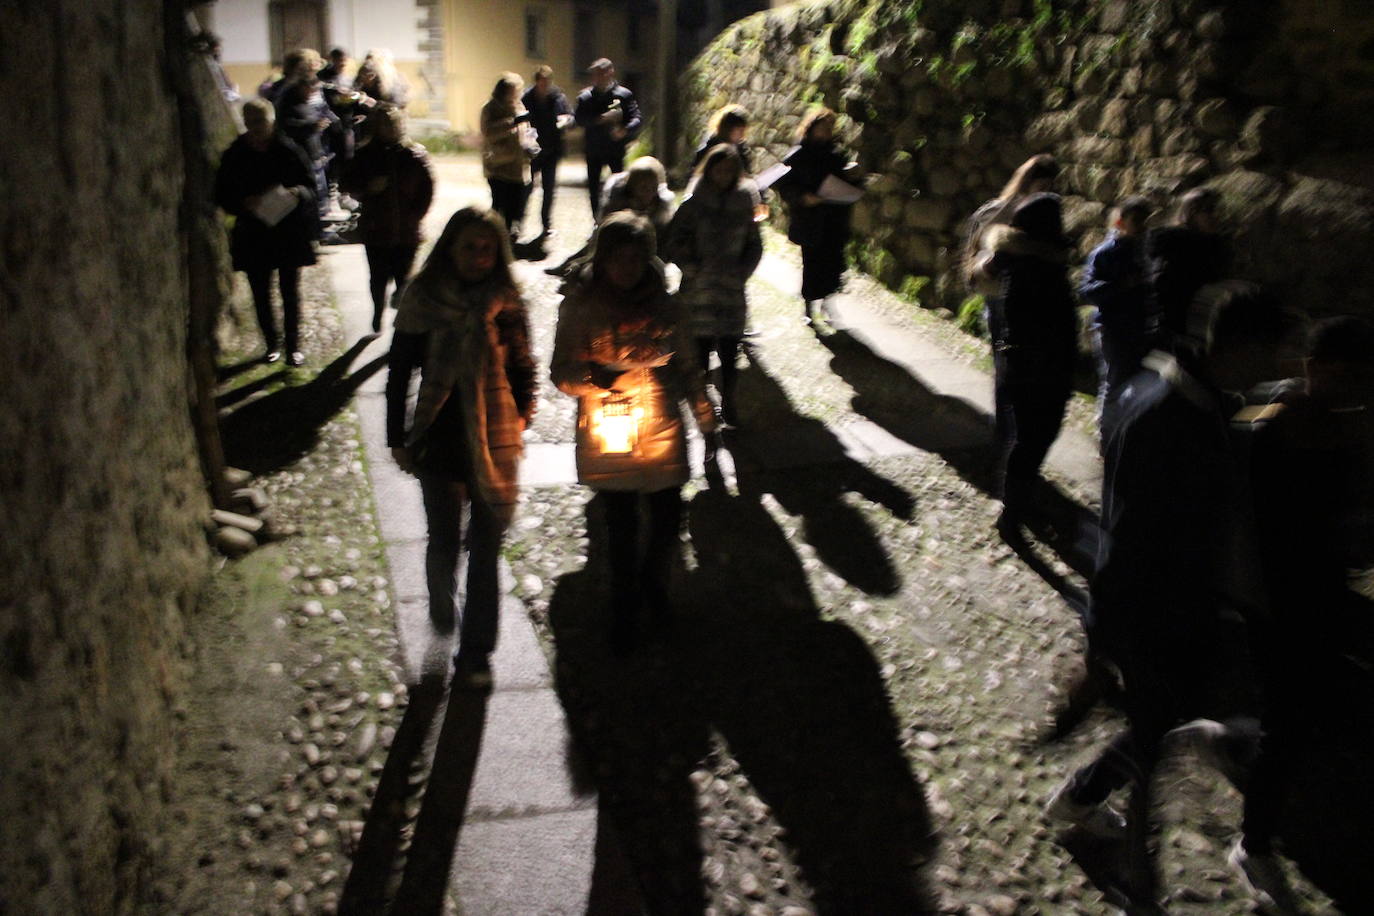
(529, 841)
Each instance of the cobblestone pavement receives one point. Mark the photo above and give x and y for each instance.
(849, 715)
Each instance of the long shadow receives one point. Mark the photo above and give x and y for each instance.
(375, 861)
(242, 392)
(802, 704)
(799, 460)
(798, 701)
(430, 858)
(961, 434)
(271, 432)
(224, 373)
(639, 734)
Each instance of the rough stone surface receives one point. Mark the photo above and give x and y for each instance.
(103, 546)
(1153, 97)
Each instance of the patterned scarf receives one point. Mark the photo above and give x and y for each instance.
(466, 358)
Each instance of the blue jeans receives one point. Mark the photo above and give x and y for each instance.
(444, 501)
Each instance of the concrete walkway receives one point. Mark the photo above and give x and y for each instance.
(529, 843)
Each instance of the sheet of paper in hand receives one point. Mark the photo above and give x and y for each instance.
(771, 174)
(838, 191)
(273, 205)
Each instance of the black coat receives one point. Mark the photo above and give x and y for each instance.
(245, 172)
(391, 215)
(544, 119)
(300, 109)
(823, 224)
(1032, 320)
(591, 104)
(1175, 544)
(1182, 261)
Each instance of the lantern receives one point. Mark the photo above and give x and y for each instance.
(615, 424)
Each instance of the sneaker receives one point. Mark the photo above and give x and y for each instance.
(273, 354)
(1263, 874)
(297, 358)
(1100, 819)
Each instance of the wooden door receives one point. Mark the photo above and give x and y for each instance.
(297, 24)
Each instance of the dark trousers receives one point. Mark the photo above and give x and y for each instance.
(319, 167)
(822, 268)
(288, 281)
(1029, 410)
(636, 578)
(616, 163)
(387, 264)
(444, 502)
(727, 348)
(546, 167)
(508, 199)
(1118, 358)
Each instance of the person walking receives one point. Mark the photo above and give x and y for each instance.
(1034, 176)
(729, 125)
(623, 350)
(305, 117)
(463, 325)
(266, 184)
(508, 145)
(609, 115)
(641, 188)
(1184, 257)
(819, 226)
(1114, 282)
(1033, 326)
(549, 115)
(1177, 571)
(715, 240)
(392, 178)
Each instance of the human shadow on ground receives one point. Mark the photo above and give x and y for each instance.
(267, 434)
(376, 859)
(798, 701)
(814, 475)
(235, 395)
(888, 394)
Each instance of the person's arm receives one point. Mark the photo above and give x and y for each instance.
(424, 194)
(583, 114)
(679, 246)
(407, 354)
(513, 327)
(561, 107)
(1093, 287)
(753, 245)
(228, 188)
(632, 122)
(569, 368)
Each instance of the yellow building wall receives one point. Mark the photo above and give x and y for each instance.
(482, 40)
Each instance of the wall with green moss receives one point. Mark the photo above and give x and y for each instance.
(942, 99)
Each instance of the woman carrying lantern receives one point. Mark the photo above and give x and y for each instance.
(462, 324)
(623, 350)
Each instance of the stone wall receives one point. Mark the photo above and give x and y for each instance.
(102, 548)
(942, 99)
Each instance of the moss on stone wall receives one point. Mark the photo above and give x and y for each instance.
(942, 99)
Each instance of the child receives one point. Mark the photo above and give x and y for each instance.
(1114, 282)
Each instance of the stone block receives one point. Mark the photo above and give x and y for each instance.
(1050, 129)
(1081, 214)
(1087, 114)
(1143, 142)
(928, 213)
(1131, 80)
(1113, 15)
(1180, 140)
(1115, 118)
(1165, 112)
(944, 181)
(1216, 118)
(1098, 150)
